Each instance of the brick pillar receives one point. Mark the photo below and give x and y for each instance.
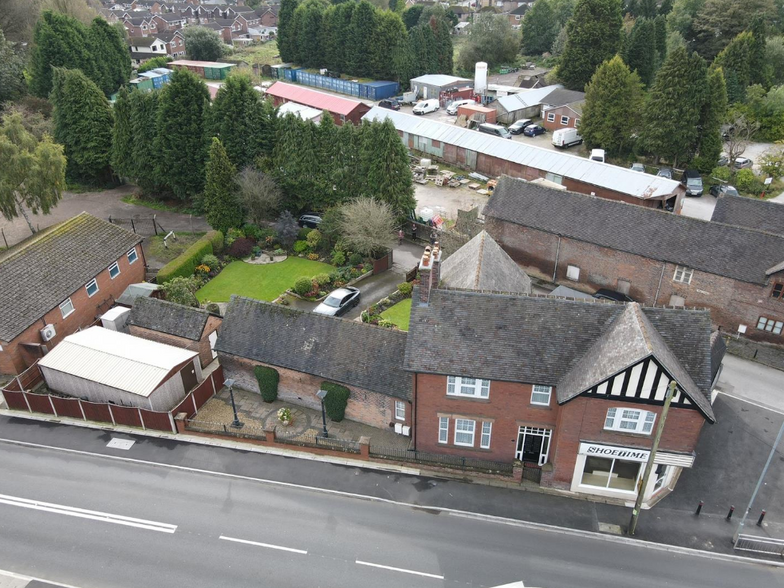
(364, 447)
(429, 272)
(517, 471)
(270, 434)
(179, 421)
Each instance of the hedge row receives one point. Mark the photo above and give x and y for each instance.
(184, 264)
(267, 378)
(336, 400)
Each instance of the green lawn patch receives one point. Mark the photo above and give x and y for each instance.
(399, 314)
(262, 282)
(261, 54)
(157, 251)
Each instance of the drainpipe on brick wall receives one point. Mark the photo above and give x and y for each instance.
(414, 414)
(658, 288)
(557, 254)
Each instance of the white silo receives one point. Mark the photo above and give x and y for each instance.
(480, 78)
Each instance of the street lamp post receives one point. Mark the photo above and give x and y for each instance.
(229, 383)
(321, 394)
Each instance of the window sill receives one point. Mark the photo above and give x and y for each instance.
(629, 433)
(471, 398)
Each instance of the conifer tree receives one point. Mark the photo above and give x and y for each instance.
(736, 59)
(389, 176)
(714, 110)
(112, 58)
(231, 118)
(12, 64)
(285, 37)
(539, 28)
(221, 202)
(122, 136)
(145, 167)
(641, 50)
(360, 37)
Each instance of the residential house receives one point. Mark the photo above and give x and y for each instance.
(463, 13)
(750, 213)
(562, 108)
(515, 15)
(531, 80)
(169, 22)
(144, 48)
(61, 280)
(268, 16)
(655, 257)
(341, 109)
(140, 26)
(228, 28)
(175, 43)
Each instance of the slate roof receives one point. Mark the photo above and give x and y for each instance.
(336, 349)
(723, 250)
(142, 41)
(520, 10)
(718, 349)
(167, 317)
(540, 340)
(481, 264)
(750, 213)
(39, 273)
(562, 96)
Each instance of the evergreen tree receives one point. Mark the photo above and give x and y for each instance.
(360, 38)
(12, 81)
(122, 137)
(285, 36)
(309, 21)
(262, 127)
(232, 119)
(422, 43)
(735, 59)
(613, 106)
(490, 39)
(665, 7)
(714, 110)
(389, 176)
(442, 31)
(83, 122)
(296, 164)
(348, 175)
(145, 167)
(594, 36)
(180, 141)
(660, 37)
(203, 44)
(411, 15)
(563, 10)
(641, 50)
(327, 156)
(221, 203)
(112, 58)
(647, 9)
(335, 49)
(539, 28)
(673, 111)
(58, 41)
(761, 70)
(390, 36)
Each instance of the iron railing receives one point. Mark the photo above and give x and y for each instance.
(438, 459)
(757, 544)
(310, 440)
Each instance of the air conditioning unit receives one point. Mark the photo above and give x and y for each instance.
(407, 431)
(399, 428)
(48, 333)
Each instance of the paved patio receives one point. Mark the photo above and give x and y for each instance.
(256, 415)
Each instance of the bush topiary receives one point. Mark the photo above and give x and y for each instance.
(355, 259)
(336, 400)
(405, 288)
(321, 279)
(303, 285)
(338, 258)
(300, 246)
(313, 238)
(303, 233)
(267, 378)
(185, 263)
(241, 248)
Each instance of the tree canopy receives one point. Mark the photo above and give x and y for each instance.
(12, 80)
(539, 28)
(490, 39)
(203, 44)
(221, 203)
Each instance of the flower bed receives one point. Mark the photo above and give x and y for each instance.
(317, 287)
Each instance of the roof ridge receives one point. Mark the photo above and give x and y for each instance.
(479, 257)
(40, 236)
(641, 325)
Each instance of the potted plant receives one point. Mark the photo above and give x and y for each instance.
(284, 416)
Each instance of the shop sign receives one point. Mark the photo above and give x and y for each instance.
(610, 452)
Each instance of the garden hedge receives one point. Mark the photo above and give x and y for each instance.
(336, 400)
(267, 378)
(185, 263)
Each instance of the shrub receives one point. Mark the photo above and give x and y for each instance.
(232, 235)
(313, 238)
(267, 378)
(322, 279)
(355, 259)
(338, 258)
(279, 251)
(405, 288)
(303, 233)
(202, 271)
(721, 173)
(267, 235)
(300, 246)
(216, 238)
(303, 285)
(251, 232)
(387, 324)
(336, 400)
(313, 256)
(210, 261)
(241, 248)
(185, 263)
(746, 181)
(284, 415)
(180, 290)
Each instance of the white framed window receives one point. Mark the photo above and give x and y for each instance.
(541, 395)
(682, 274)
(551, 177)
(464, 432)
(132, 255)
(469, 387)
(517, 17)
(577, 122)
(572, 273)
(487, 430)
(630, 420)
(400, 410)
(114, 270)
(91, 287)
(551, 117)
(66, 307)
(564, 120)
(443, 429)
(769, 325)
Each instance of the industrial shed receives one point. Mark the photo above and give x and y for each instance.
(341, 109)
(100, 365)
(443, 87)
(526, 104)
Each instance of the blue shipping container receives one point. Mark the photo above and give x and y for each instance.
(293, 74)
(379, 90)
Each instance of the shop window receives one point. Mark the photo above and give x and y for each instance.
(614, 474)
(541, 395)
(469, 387)
(778, 291)
(572, 273)
(682, 274)
(769, 325)
(487, 429)
(464, 432)
(400, 410)
(443, 429)
(661, 476)
(628, 420)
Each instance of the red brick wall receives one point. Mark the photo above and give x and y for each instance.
(556, 124)
(14, 358)
(202, 346)
(268, 19)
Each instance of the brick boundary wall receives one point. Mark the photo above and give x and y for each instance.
(769, 355)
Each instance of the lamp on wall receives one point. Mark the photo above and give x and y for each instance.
(322, 394)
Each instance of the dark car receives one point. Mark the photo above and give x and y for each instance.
(339, 301)
(534, 130)
(518, 126)
(310, 220)
(692, 180)
(723, 190)
(665, 172)
(605, 294)
(390, 103)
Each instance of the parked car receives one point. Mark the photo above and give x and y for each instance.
(426, 106)
(452, 108)
(723, 160)
(390, 103)
(495, 130)
(566, 137)
(605, 294)
(518, 126)
(310, 220)
(693, 181)
(743, 163)
(534, 130)
(597, 155)
(339, 301)
(638, 167)
(723, 190)
(665, 172)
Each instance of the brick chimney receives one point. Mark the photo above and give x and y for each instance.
(429, 272)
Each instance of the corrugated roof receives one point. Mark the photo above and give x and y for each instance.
(116, 360)
(313, 98)
(300, 110)
(188, 62)
(522, 100)
(440, 80)
(602, 175)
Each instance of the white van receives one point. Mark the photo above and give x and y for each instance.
(597, 155)
(566, 137)
(426, 106)
(452, 108)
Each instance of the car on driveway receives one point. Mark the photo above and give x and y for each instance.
(309, 220)
(723, 190)
(452, 108)
(339, 301)
(638, 167)
(518, 126)
(390, 103)
(605, 294)
(534, 130)
(665, 172)
(743, 163)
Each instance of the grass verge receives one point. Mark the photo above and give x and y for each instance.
(399, 314)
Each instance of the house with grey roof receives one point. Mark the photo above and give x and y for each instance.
(60, 280)
(750, 213)
(656, 257)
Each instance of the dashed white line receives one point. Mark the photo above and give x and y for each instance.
(405, 571)
(82, 513)
(267, 545)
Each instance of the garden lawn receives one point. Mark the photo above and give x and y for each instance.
(262, 282)
(399, 314)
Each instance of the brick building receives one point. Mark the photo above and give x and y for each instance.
(307, 349)
(656, 258)
(59, 281)
(341, 109)
(194, 329)
(571, 388)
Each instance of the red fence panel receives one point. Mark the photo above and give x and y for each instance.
(126, 415)
(15, 400)
(13, 386)
(68, 407)
(95, 411)
(31, 377)
(40, 403)
(156, 420)
(185, 406)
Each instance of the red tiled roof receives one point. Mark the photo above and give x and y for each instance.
(313, 98)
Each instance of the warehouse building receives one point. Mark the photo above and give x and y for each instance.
(341, 109)
(443, 87)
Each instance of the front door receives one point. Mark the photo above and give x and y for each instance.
(531, 448)
(533, 445)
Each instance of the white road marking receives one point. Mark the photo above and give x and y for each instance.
(116, 443)
(87, 514)
(24, 578)
(405, 571)
(267, 545)
(752, 402)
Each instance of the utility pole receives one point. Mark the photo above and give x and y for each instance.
(759, 483)
(649, 466)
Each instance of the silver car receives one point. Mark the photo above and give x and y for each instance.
(339, 301)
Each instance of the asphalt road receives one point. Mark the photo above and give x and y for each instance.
(195, 529)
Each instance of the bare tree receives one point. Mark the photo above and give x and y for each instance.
(261, 196)
(368, 226)
(737, 136)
